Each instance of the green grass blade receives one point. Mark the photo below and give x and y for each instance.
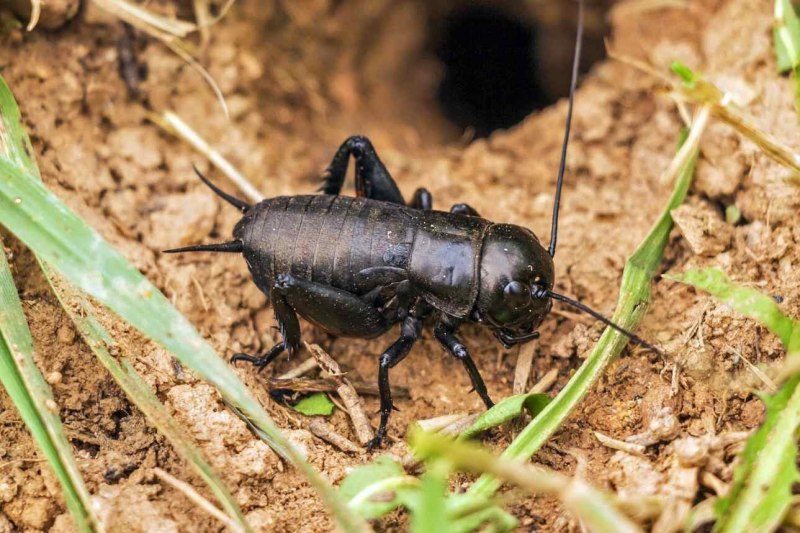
(34, 400)
(17, 149)
(761, 492)
(506, 410)
(595, 508)
(633, 300)
(62, 239)
(746, 301)
(83, 314)
(430, 514)
(786, 38)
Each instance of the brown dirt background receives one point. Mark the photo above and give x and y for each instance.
(299, 78)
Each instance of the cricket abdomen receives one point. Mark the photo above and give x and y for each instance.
(321, 238)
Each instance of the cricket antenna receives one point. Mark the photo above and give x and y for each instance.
(241, 205)
(563, 165)
(228, 247)
(586, 309)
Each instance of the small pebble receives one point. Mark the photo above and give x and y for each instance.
(54, 377)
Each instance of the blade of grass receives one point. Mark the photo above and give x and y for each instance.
(36, 12)
(83, 314)
(786, 38)
(140, 17)
(633, 300)
(34, 400)
(746, 301)
(595, 508)
(430, 515)
(62, 239)
(761, 492)
(508, 409)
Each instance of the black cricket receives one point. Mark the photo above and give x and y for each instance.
(357, 266)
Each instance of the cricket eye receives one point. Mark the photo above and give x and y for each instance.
(517, 294)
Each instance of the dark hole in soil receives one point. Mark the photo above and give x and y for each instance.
(493, 74)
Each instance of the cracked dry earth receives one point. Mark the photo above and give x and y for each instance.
(298, 81)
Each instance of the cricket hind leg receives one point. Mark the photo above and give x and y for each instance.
(339, 312)
(372, 179)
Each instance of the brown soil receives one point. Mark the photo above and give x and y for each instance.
(298, 81)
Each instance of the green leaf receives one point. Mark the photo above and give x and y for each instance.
(430, 514)
(508, 409)
(33, 399)
(761, 492)
(746, 301)
(686, 74)
(633, 300)
(593, 507)
(786, 36)
(315, 405)
(378, 488)
(500, 520)
(84, 316)
(62, 239)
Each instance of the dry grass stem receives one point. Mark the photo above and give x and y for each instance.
(174, 124)
(616, 444)
(200, 501)
(544, 384)
(329, 385)
(523, 369)
(36, 12)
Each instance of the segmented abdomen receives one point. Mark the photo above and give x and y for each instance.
(321, 238)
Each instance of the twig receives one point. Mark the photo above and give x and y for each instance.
(440, 422)
(523, 369)
(303, 368)
(346, 392)
(189, 492)
(627, 447)
(707, 479)
(544, 384)
(174, 124)
(328, 385)
(325, 431)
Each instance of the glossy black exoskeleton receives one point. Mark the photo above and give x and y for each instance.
(357, 266)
